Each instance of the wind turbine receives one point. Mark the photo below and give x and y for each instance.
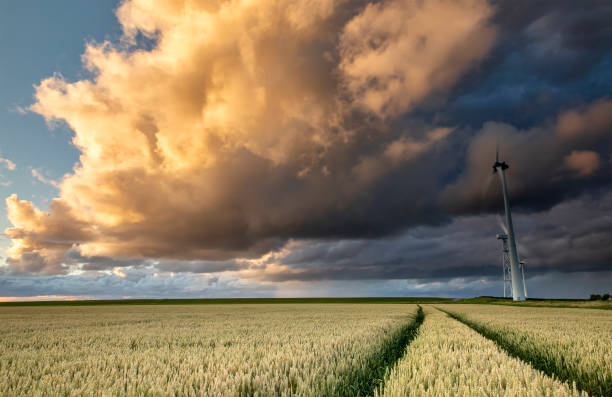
(518, 282)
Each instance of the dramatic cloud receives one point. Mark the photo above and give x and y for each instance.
(547, 164)
(244, 126)
(296, 142)
(467, 247)
(395, 53)
(548, 55)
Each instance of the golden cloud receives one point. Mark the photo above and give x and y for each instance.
(582, 162)
(244, 125)
(395, 53)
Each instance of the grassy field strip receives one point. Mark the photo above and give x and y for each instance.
(449, 359)
(196, 350)
(574, 345)
(550, 303)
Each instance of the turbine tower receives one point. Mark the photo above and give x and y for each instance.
(518, 285)
(506, 264)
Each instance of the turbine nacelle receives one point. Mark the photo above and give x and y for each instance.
(501, 165)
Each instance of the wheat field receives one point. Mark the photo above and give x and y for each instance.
(303, 349)
(194, 350)
(470, 365)
(574, 344)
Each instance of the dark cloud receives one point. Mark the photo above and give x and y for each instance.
(104, 286)
(571, 237)
(561, 159)
(330, 144)
(550, 55)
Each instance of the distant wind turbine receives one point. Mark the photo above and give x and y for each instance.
(519, 291)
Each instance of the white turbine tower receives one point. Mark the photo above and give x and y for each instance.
(519, 291)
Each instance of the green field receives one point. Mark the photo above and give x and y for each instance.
(303, 347)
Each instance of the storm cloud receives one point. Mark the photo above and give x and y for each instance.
(277, 141)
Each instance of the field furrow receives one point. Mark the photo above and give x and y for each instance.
(574, 345)
(449, 359)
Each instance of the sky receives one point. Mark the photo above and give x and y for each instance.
(191, 148)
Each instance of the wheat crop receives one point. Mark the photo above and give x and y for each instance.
(196, 350)
(573, 344)
(449, 359)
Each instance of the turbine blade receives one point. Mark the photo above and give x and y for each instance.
(502, 224)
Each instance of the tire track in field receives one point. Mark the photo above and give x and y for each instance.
(538, 359)
(363, 381)
(448, 358)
